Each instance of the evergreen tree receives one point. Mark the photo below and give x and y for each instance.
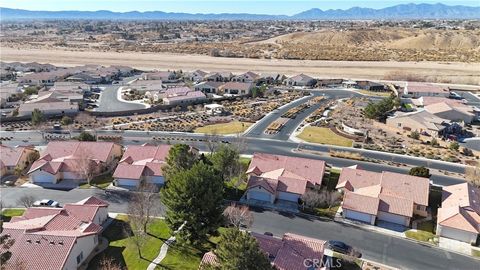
(194, 196)
(180, 157)
(226, 160)
(37, 117)
(238, 250)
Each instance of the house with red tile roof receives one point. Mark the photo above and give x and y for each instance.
(14, 157)
(273, 177)
(72, 160)
(459, 216)
(141, 163)
(291, 252)
(55, 238)
(391, 197)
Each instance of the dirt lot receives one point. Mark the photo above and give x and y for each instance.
(323, 69)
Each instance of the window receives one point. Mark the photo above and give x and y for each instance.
(419, 207)
(80, 258)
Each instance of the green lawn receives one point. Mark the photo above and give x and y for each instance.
(123, 249)
(7, 214)
(324, 136)
(102, 181)
(475, 253)
(420, 235)
(322, 212)
(234, 193)
(224, 128)
(332, 180)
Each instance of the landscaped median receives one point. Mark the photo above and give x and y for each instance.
(234, 127)
(324, 135)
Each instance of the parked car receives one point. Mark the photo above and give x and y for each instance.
(341, 247)
(268, 233)
(46, 203)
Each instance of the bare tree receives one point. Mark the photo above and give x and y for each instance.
(332, 198)
(26, 200)
(212, 140)
(238, 215)
(85, 165)
(472, 174)
(143, 205)
(312, 199)
(108, 263)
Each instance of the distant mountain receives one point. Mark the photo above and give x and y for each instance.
(404, 11)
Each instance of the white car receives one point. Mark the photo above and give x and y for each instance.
(46, 203)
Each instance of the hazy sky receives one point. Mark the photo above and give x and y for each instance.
(212, 6)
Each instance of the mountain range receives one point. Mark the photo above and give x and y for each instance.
(398, 12)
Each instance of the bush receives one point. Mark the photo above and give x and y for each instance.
(86, 136)
(415, 135)
(420, 171)
(66, 120)
(454, 146)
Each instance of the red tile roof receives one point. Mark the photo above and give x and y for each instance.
(396, 193)
(142, 160)
(288, 253)
(293, 173)
(460, 208)
(10, 156)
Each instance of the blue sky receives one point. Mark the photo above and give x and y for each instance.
(212, 6)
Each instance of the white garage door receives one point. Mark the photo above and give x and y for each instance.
(392, 218)
(257, 195)
(459, 235)
(288, 196)
(358, 216)
(43, 177)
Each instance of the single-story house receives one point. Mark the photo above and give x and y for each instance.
(14, 157)
(300, 80)
(159, 75)
(49, 108)
(72, 160)
(371, 86)
(182, 96)
(55, 238)
(218, 77)
(86, 77)
(457, 112)
(291, 252)
(273, 78)
(421, 121)
(273, 177)
(415, 89)
(459, 216)
(236, 89)
(208, 87)
(247, 77)
(141, 163)
(392, 197)
(195, 76)
(44, 78)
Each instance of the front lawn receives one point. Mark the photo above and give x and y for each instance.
(7, 214)
(420, 235)
(122, 248)
(322, 212)
(324, 136)
(224, 128)
(102, 181)
(188, 257)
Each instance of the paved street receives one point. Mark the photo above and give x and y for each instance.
(109, 102)
(374, 246)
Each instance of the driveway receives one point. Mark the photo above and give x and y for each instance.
(109, 102)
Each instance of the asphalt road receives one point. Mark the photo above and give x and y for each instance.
(378, 247)
(109, 103)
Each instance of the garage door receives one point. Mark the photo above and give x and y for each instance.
(257, 195)
(358, 216)
(42, 177)
(288, 196)
(392, 218)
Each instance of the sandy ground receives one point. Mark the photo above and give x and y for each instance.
(321, 69)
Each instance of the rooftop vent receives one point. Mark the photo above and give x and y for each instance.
(37, 241)
(29, 241)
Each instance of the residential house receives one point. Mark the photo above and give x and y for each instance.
(272, 177)
(49, 108)
(44, 78)
(14, 157)
(219, 77)
(182, 96)
(291, 252)
(329, 82)
(301, 80)
(390, 197)
(459, 216)
(371, 86)
(141, 163)
(449, 109)
(247, 77)
(236, 89)
(72, 160)
(414, 89)
(421, 121)
(196, 76)
(273, 78)
(7, 92)
(55, 238)
(209, 87)
(165, 76)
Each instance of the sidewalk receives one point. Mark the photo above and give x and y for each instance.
(163, 250)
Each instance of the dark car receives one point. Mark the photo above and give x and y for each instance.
(341, 247)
